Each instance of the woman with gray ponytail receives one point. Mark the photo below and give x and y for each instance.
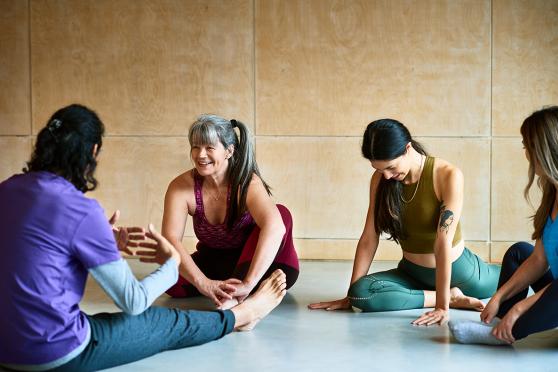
(243, 236)
(416, 200)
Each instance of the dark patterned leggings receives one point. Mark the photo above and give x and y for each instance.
(543, 314)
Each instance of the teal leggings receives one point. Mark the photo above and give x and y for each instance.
(403, 288)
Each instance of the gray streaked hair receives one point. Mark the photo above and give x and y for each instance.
(211, 129)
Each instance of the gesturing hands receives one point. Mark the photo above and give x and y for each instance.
(126, 237)
(159, 250)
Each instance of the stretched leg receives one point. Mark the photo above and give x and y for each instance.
(118, 338)
(387, 291)
(286, 259)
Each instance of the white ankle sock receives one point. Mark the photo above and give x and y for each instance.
(469, 332)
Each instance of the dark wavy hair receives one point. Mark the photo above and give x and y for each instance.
(65, 146)
(386, 139)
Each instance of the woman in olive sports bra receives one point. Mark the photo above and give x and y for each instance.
(416, 200)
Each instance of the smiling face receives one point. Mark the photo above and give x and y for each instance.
(396, 169)
(210, 159)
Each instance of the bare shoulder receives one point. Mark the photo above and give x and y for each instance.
(256, 184)
(444, 170)
(375, 180)
(448, 179)
(183, 183)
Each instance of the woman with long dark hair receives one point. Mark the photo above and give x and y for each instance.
(53, 237)
(416, 200)
(243, 236)
(511, 315)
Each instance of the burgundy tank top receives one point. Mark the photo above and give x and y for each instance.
(218, 236)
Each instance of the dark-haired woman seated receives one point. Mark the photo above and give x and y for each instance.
(53, 237)
(243, 236)
(416, 200)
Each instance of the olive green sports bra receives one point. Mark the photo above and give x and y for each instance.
(421, 215)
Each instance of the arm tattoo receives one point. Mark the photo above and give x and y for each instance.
(446, 218)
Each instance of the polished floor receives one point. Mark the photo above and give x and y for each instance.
(295, 338)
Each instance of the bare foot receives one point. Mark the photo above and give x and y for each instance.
(248, 327)
(259, 305)
(228, 304)
(459, 301)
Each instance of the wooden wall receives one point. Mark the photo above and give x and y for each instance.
(307, 76)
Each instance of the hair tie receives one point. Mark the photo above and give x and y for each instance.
(234, 124)
(54, 125)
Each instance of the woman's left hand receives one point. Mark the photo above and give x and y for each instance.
(436, 316)
(503, 331)
(126, 237)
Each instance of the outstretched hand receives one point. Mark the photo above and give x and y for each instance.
(159, 250)
(436, 316)
(126, 237)
(342, 304)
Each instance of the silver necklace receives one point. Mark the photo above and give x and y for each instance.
(418, 183)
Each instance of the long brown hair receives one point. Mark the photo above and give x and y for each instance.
(386, 139)
(540, 138)
(211, 129)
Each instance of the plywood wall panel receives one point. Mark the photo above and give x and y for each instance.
(525, 67)
(14, 152)
(150, 66)
(510, 212)
(15, 104)
(134, 174)
(323, 181)
(326, 67)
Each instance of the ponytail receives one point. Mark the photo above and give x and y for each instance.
(241, 171)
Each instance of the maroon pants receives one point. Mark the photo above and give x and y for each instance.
(222, 264)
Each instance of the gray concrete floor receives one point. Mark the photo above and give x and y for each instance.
(294, 337)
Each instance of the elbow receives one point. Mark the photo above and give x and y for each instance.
(133, 311)
(280, 230)
(136, 303)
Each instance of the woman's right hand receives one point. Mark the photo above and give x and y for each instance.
(491, 309)
(218, 290)
(342, 304)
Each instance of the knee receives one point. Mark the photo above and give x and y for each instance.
(518, 251)
(286, 216)
(367, 294)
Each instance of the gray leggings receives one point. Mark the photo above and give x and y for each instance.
(118, 338)
(403, 288)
